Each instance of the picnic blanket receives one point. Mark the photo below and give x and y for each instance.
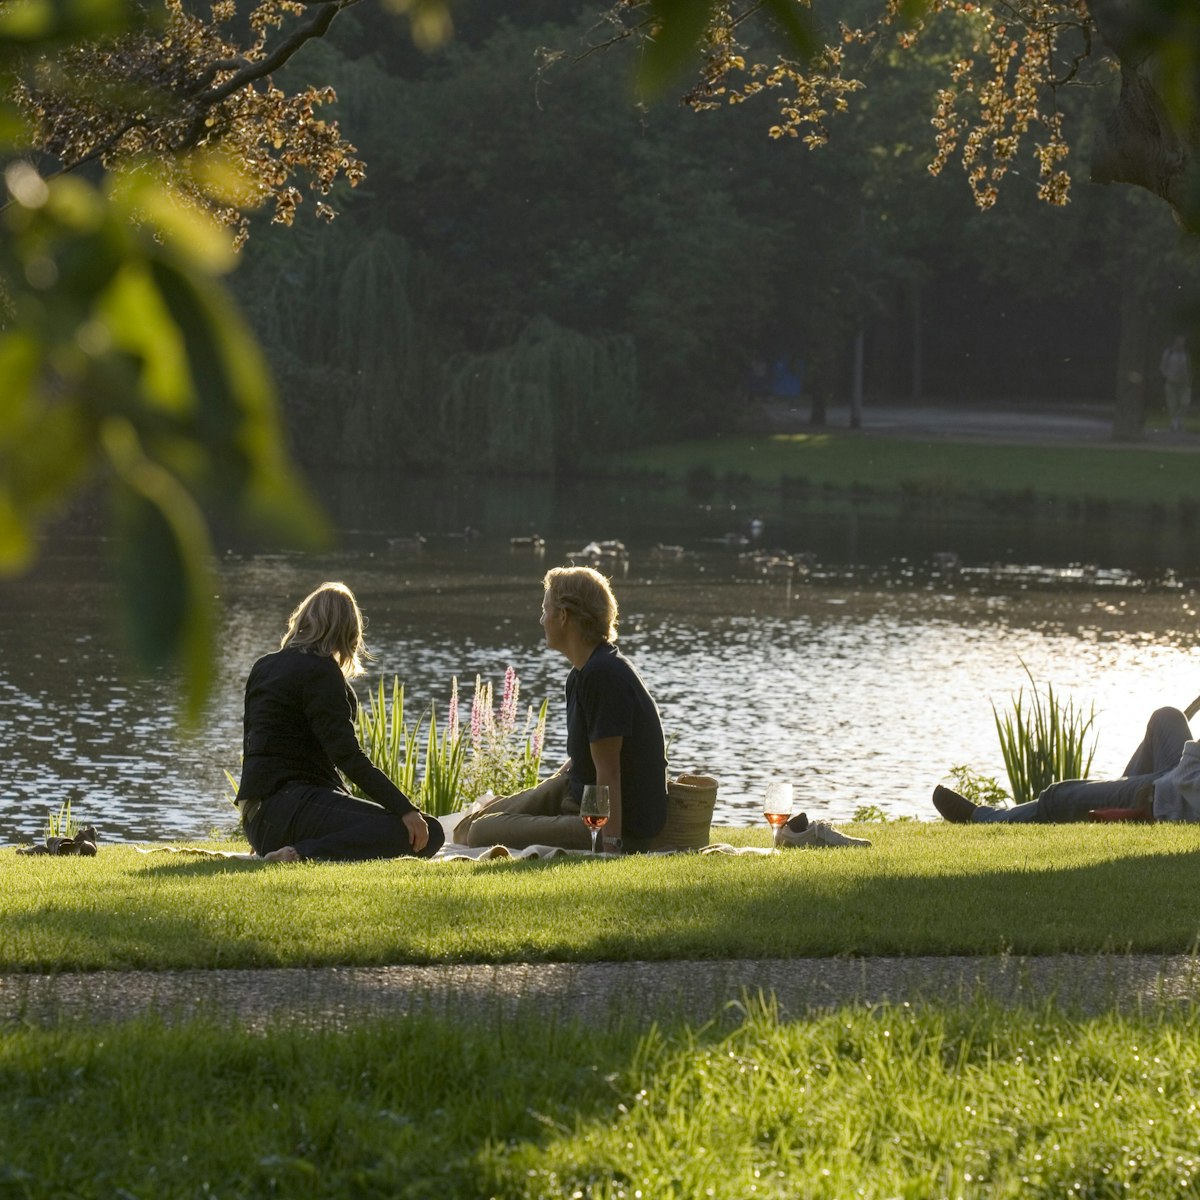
(456, 853)
(452, 852)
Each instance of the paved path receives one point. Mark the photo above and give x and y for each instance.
(1041, 424)
(594, 992)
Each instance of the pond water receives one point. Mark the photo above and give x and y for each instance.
(863, 680)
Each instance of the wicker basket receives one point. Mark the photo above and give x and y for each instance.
(690, 800)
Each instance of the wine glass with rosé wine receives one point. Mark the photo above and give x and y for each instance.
(593, 808)
(777, 804)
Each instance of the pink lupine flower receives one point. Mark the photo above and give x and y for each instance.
(508, 705)
(452, 716)
(477, 713)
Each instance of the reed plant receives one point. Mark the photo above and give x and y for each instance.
(493, 753)
(444, 758)
(386, 737)
(1044, 739)
(61, 824)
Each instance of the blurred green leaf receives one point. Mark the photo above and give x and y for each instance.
(16, 535)
(76, 205)
(137, 320)
(674, 42)
(1178, 49)
(13, 129)
(55, 455)
(164, 559)
(20, 355)
(797, 24)
(193, 234)
(47, 21)
(429, 21)
(912, 11)
(237, 416)
(679, 26)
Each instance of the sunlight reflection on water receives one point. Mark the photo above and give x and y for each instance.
(861, 689)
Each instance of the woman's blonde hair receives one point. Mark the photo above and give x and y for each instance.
(584, 593)
(329, 621)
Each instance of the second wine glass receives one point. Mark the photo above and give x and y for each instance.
(777, 803)
(593, 808)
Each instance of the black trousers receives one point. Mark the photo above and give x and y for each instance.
(326, 823)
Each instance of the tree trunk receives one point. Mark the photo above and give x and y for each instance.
(856, 390)
(918, 367)
(1144, 141)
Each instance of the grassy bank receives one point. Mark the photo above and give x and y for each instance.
(903, 1101)
(1095, 476)
(923, 888)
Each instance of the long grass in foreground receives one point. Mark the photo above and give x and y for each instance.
(921, 889)
(969, 1101)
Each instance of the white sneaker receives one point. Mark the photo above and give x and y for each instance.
(800, 832)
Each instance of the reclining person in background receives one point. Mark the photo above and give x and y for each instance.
(299, 732)
(614, 736)
(1162, 780)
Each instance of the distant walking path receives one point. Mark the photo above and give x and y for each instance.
(696, 991)
(1036, 424)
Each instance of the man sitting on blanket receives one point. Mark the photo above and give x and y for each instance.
(614, 736)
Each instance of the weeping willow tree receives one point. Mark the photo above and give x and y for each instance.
(367, 383)
(540, 403)
(349, 348)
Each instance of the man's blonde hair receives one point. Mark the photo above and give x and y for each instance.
(585, 594)
(329, 621)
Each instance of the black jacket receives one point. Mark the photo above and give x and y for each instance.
(299, 728)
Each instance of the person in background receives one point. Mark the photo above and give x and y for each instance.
(1176, 368)
(299, 732)
(614, 735)
(1159, 780)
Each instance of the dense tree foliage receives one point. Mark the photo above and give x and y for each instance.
(699, 244)
(1003, 90)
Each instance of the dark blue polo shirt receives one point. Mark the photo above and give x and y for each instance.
(607, 698)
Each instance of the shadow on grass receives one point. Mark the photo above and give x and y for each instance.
(1144, 903)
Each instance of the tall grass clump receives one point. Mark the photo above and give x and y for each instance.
(386, 737)
(458, 763)
(1044, 740)
(61, 824)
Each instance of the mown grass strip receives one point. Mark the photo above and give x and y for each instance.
(923, 888)
(895, 1101)
(1105, 473)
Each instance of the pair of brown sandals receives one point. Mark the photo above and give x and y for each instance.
(82, 844)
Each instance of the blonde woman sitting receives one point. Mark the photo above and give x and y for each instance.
(299, 733)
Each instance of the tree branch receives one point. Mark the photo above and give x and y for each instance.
(258, 69)
(252, 71)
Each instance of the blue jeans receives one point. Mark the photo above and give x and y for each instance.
(1072, 799)
(325, 823)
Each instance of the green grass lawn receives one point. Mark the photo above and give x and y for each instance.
(1107, 473)
(914, 1102)
(923, 888)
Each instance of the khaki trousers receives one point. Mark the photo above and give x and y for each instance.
(545, 815)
